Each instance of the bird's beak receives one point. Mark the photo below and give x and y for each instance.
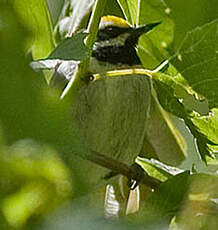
(145, 28)
(138, 31)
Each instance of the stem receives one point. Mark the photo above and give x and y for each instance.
(94, 22)
(124, 72)
(92, 29)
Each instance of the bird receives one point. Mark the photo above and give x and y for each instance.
(111, 113)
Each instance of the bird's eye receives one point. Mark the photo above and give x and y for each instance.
(91, 78)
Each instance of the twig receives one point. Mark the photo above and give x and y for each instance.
(121, 168)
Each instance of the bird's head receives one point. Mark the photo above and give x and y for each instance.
(115, 29)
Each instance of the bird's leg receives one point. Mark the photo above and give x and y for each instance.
(138, 174)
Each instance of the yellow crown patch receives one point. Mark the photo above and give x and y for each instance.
(110, 20)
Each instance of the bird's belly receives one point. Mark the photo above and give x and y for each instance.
(112, 114)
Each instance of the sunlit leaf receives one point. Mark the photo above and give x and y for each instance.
(208, 125)
(131, 10)
(197, 61)
(157, 169)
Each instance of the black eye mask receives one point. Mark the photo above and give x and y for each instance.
(111, 32)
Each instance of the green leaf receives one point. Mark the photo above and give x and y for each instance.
(162, 140)
(55, 7)
(165, 89)
(35, 15)
(188, 15)
(112, 8)
(208, 125)
(175, 98)
(153, 46)
(201, 140)
(71, 49)
(197, 61)
(131, 9)
(157, 169)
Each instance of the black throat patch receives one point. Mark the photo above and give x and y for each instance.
(115, 54)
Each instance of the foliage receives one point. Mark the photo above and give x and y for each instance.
(45, 182)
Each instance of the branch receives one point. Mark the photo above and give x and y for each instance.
(120, 168)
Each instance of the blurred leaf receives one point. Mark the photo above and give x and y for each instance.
(166, 201)
(197, 61)
(190, 14)
(200, 208)
(35, 113)
(67, 217)
(71, 49)
(18, 207)
(35, 176)
(28, 159)
(35, 15)
(75, 15)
